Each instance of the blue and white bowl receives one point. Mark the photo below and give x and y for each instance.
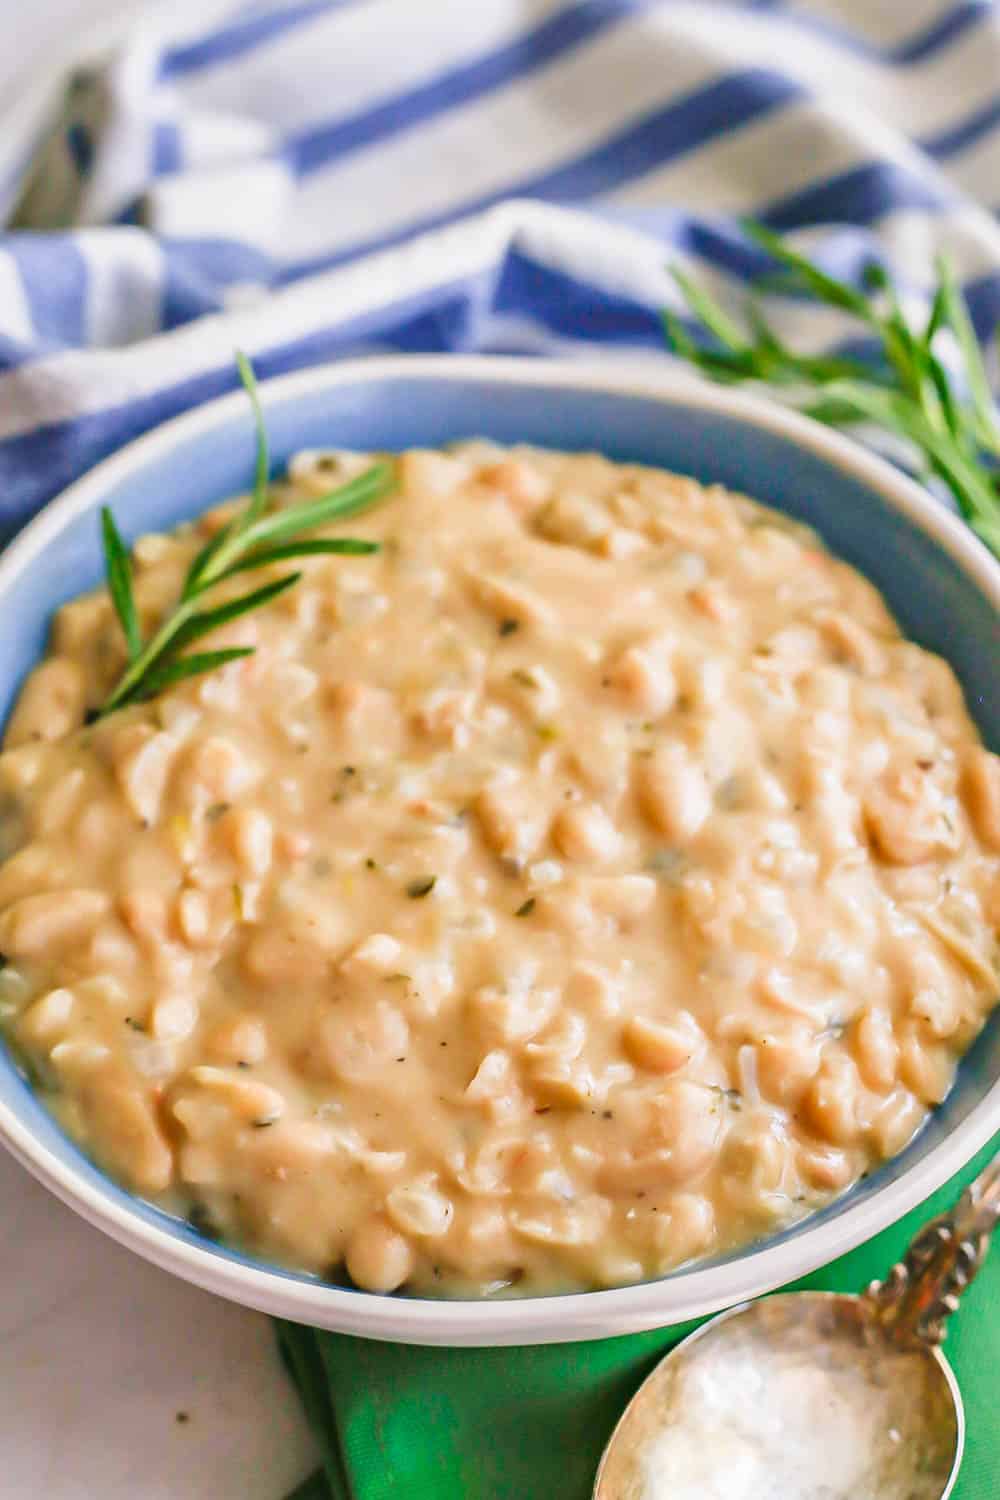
(942, 584)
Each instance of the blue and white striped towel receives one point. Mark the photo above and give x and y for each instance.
(312, 178)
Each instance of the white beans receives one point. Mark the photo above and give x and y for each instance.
(520, 481)
(627, 898)
(419, 1209)
(686, 1229)
(673, 793)
(252, 835)
(658, 1047)
(26, 873)
(926, 1069)
(38, 924)
(587, 880)
(48, 1017)
(379, 1259)
(831, 1101)
(514, 1012)
(142, 760)
(876, 1049)
(50, 705)
(494, 1084)
(687, 1119)
(125, 1130)
(905, 818)
(787, 1062)
(242, 1041)
(510, 826)
(643, 676)
(981, 787)
(174, 1018)
(360, 1043)
(586, 833)
(246, 1097)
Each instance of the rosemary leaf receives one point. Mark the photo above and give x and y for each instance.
(258, 500)
(252, 539)
(210, 619)
(937, 317)
(358, 494)
(708, 310)
(788, 364)
(344, 546)
(119, 571)
(824, 287)
(950, 422)
(956, 315)
(196, 579)
(190, 666)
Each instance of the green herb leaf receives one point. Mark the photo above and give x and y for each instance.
(952, 424)
(956, 314)
(254, 538)
(119, 571)
(812, 277)
(708, 310)
(190, 666)
(358, 494)
(194, 583)
(262, 469)
(343, 546)
(210, 619)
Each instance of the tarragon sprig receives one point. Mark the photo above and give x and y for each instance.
(950, 419)
(254, 538)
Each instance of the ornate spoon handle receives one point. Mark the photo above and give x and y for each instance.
(921, 1291)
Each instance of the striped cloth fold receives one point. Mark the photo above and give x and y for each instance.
(317, 178)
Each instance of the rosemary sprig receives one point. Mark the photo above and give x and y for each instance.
(254, 538)
(951, 422)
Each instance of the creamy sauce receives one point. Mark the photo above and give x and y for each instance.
(591, 880)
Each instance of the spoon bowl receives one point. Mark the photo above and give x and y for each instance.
(796, 1397)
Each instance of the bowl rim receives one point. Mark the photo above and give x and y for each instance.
(552, 1318)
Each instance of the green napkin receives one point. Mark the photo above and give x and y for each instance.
(399, 1421)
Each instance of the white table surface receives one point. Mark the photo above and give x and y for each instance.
(99, 1351)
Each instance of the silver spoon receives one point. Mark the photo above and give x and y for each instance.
(814, 1395)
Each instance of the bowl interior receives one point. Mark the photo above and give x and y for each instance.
(929, 592)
